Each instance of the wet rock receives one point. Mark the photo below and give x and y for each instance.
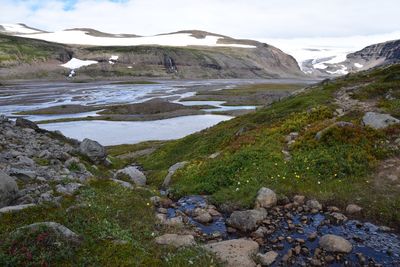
(333, 243)
(266, 198)
(312, 236)
(337, 218)
(268, 258)
(93, 150)
(63, 231)
(203, 217)
(235, 252)
(68, 189)
(378, 120)
(175, 240)
(175, 221)
(315, 262)
(353, 209)
(314, 204)
(171, 172)
(247, 220)
(24, 123)
(133, 173)
(8, 189)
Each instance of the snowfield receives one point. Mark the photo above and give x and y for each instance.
(75, 63)
(79, 37)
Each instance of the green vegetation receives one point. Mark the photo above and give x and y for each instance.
(27, 50)
(116, 223)
(337, 169)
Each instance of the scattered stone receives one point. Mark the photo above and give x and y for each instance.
(235, 252)
(299, 199)
(133, 173)
(312, 236)
(314, 204)
(378, 120)
(11, 209)
(353, 209)
(176, 240)
(8, 189)
(247, 220)
(171, 172)
(123, 183)
(334, 243)
(68, 189)
(266, 198)
(337, 218)
(93, 150)
(268, 258)
(63, 231)
(155, 200)
(203, 217)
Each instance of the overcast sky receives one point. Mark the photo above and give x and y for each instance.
(242, 19)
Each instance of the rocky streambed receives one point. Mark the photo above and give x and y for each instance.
(292, 233)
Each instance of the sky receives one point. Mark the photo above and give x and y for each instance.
(241, 19)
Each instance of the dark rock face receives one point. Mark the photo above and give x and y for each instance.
(390, 51)
(169, 64)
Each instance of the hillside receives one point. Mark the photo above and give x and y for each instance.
(314, 143)
(186, 54)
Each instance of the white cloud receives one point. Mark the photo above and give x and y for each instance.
(245, 19)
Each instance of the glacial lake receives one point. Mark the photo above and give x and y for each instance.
(130, 132)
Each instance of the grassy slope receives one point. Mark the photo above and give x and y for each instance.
(338, 169)
(16, 49)
(109, 214)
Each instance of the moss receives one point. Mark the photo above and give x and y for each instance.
(117, 227)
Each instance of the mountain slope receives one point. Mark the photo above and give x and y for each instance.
(213, 58)
(313, 143)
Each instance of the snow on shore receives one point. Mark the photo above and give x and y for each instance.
(75, 63)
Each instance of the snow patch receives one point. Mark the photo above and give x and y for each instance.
(341, 71)
(177, 39)
(113, 60)
(358, 65)
(18, 28)
(75, 63)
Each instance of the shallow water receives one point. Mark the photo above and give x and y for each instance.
(131, 132)
(376, 245)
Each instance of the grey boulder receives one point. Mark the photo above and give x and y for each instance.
(334, 243)
(247, 220)
(378, 120)
(8, 189)
(133, 173)
(93, 150)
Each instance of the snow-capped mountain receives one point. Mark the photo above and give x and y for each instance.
(185, 54)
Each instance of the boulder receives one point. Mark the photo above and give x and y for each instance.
(133, 173)
(203, 217)
(8, 189)
(266, 198)
(176, 240)
(24, 123)
(247, 220)
(378, 120)
(353, 209)
(334, 243)
(60, 229)
(171, 172)
(337, 218)
(268, 258)
(299, 199)
(235, 252)
(93, 150)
